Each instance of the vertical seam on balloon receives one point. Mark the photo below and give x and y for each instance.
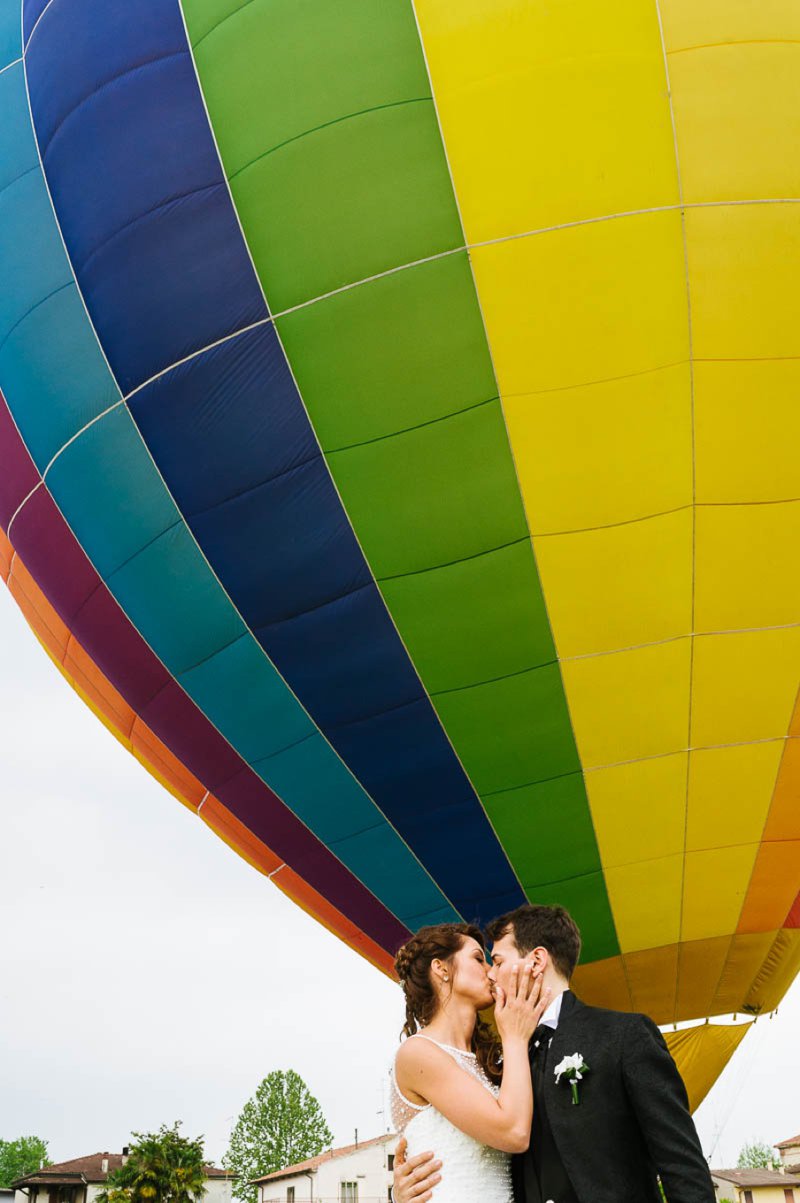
(336, 488)
(173, 678)
(22, 504)
(513, 459)
(235, 609)
(203, 801)
(684, 240)
(25, 44)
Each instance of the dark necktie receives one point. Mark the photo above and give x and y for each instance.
(540, 1040)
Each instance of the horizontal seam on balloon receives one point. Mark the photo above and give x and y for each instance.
(101, 88)
(745, 743)
(19, 177)
(203, 800)
(113, 378)
(566, 388)
(261, 484)
(351, 835)
(422, 698)
(411, 853)
(409, 429)
(74, 437)
(33, 308)
(216, 652)
(520, 672)
(227, 17)
(143, 217)
(747, 359)
(13, 63)
(557, 881)
(509, 789)
(280, 751)
(582, 530)
(680, 853)
(737, 42)
(397, 576)
(139, 551)
(635, 647)
(378, 108)
(330, 601)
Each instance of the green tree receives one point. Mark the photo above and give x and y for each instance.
(20, 1157)
(758, 1156)
(162, 1167)
(280, 1125)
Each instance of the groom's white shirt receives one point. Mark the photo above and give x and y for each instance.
(551, 1015)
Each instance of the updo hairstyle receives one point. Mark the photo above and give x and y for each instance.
(413, 967)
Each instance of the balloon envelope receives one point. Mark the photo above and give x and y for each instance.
(399, 451)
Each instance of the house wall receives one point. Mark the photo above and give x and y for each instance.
(790, 1156)
(761, 1194)
(368, 1167)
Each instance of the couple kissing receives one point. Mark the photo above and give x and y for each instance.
(564, 1103)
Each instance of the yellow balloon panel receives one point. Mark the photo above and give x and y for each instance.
(584, 304)
(744, 304)
(523, 87)
(599, 424)
(630, 705)
(744, 686)
(737, 120)
(747, 430)
(639, 808)
(736, 783)
(718, 22)
(748, 569)
(641, 591)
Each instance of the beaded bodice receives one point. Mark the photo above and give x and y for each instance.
(471, 1172)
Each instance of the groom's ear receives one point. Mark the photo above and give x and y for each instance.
(539, 958)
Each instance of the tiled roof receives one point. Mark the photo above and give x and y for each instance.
(790, 1143)
(89, 1169)
(314, 1162)
(756, 1177)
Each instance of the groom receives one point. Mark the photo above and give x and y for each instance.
(631, 1125)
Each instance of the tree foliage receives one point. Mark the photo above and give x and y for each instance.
(22, 1156)
(280, 1125)
(758, 1156)
(162, 1167)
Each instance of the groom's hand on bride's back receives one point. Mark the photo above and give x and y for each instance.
(414, 1177)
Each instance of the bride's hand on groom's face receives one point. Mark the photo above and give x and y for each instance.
(520, 1006)
(415, 1177)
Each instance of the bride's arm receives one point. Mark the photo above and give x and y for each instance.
(426, 1072)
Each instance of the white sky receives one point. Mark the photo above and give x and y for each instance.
(148, 974)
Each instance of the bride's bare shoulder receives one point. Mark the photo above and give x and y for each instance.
(418, 1051)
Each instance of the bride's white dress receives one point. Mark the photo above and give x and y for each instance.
(471, 1171)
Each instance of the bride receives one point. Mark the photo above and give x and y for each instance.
(454, 1087)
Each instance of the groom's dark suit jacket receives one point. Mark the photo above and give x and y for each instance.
(631, 1124)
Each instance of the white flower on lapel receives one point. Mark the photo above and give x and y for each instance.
(575, 1067)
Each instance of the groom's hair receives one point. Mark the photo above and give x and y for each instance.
(549, 927)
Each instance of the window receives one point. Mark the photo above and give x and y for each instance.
(391, 1162)
(348, 1192)
(289, 1194)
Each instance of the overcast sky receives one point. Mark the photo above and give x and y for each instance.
(148, 974)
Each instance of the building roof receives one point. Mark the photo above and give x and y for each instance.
(791, 1143)
(756, 1177)
(90, 1169)
(313, 1163)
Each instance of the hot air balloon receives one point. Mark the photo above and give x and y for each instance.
(399, 453)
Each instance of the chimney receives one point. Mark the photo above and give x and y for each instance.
(126, 1150)
(104, 1164)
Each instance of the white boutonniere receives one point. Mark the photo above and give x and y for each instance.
(575, 1067)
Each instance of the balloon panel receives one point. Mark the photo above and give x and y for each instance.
(398, 405)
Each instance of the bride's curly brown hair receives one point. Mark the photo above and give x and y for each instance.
(413, 966)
